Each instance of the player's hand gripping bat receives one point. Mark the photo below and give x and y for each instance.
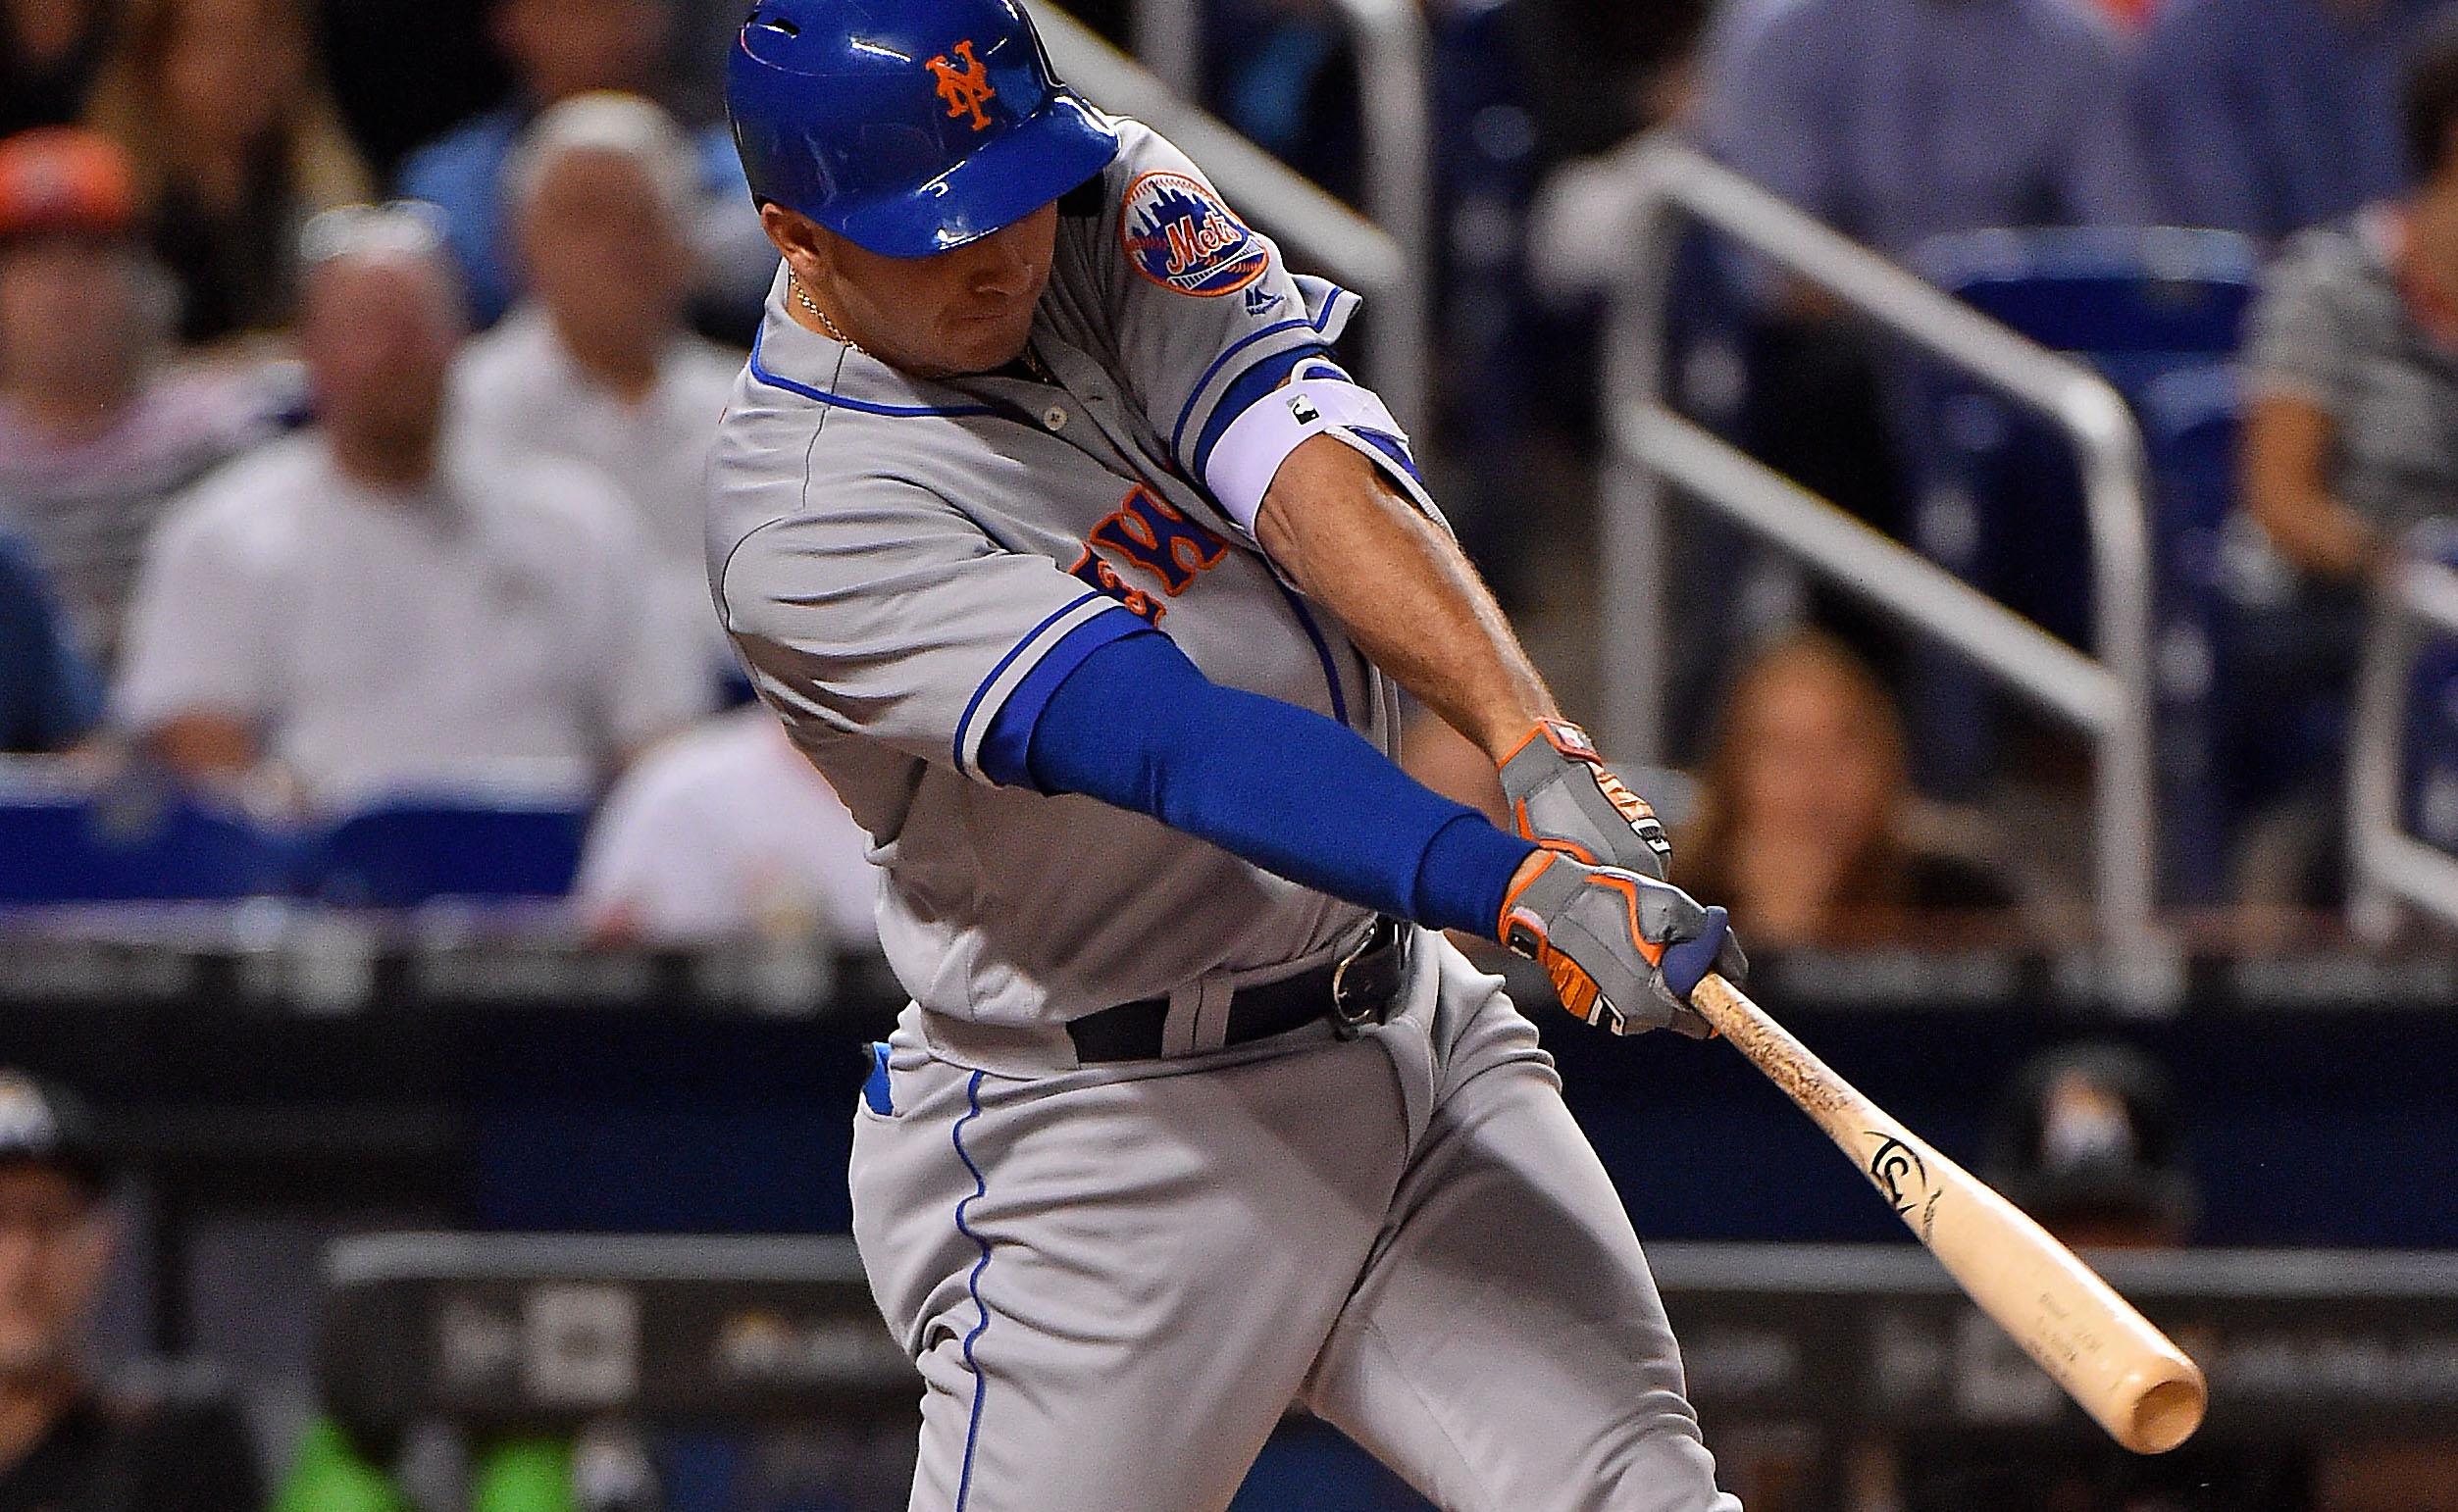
(2108, 1358)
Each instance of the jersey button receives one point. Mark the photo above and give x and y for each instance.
(1055, 417)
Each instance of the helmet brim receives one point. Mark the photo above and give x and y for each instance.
(1033, 163)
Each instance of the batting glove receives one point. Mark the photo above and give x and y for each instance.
(1563, 798)
(1624, 951)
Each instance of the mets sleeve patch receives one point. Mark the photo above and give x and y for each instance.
(1180, 236)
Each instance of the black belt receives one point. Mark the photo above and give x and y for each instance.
(1361, 988)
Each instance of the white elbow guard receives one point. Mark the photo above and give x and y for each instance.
(1249, 454)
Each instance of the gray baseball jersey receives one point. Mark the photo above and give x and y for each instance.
(1116, 1278)
(896, 561)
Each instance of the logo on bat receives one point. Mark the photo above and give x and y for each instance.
(1178, 234)
(1890, 1165)
(965, 89)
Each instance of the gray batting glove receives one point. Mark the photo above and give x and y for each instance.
(1624, 951)
(1563, 798)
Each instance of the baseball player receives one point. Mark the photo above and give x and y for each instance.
(1048, 523)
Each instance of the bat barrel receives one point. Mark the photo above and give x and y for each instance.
(2164, 1410)
(2120, 1369)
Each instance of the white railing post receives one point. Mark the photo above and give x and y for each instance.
(2390, 866)
(1168, 38)
(1633, 663)
(1662, 178)
(1396, 105)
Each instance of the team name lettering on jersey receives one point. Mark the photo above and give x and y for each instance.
(1180, 236)
(965, 89)
(1149, 533)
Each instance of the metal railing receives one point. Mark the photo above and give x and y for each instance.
(2392, 866)
(1168, 37)
(1396, 107)
(2109, 699)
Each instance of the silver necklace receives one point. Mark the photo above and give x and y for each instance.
(804, 297)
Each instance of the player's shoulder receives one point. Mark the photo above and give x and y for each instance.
(1144, 153)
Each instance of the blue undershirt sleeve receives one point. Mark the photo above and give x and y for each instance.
(1138, 726)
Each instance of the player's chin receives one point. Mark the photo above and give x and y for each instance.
(982, 343)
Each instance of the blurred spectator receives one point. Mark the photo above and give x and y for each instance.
(2353, 361)
(595, 366)
(2351, 370)
(49, 697)
(1894, 120)
(1807, 827)
(728, 833)
(222, 108)
(49, 53)
(95, 430)
(379, 604)
(2089, 1143)
(67, 1446)
(1640, 54)
(558, 49)
(2270, 115)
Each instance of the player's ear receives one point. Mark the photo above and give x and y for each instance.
(798, 238)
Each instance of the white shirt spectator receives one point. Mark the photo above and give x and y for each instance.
(516, 388)
(382, 641)
(728, 833)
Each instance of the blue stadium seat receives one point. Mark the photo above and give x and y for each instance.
(402, 851)
(65, 841)
(2000, 498)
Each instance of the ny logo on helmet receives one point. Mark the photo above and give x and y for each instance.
(964, 89)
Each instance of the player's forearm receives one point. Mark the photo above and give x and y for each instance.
(1404, 590)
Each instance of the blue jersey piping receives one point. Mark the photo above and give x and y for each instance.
(972, 1284)
(974, 705)
(1177, 433)
(839, 401)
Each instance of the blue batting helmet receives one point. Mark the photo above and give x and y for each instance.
(908, 126)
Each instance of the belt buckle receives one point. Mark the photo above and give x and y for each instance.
(1363, 997)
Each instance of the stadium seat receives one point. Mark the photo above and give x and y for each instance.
(64, 840)
(1999, 499)
(2002, 499)
(409, 849)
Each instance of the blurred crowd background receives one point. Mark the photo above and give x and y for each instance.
(356, 362)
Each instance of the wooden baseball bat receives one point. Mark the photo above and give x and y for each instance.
(2108, 1358)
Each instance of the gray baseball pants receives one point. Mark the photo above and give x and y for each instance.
(1117, 1279)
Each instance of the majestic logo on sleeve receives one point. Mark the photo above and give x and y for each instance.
(1155, 538)
(1181, 236)
(964, 89)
